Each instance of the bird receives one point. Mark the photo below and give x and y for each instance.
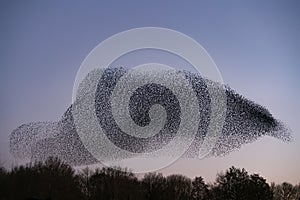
(152, 106)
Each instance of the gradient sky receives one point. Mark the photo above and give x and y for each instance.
(256, 46)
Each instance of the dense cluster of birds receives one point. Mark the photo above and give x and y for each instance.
(245, 122)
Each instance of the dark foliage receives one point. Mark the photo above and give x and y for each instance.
(53, 179)
(154, 186)
(236, 184)
(49, 180)
(199, 189)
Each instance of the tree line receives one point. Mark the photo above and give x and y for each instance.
(55, 180)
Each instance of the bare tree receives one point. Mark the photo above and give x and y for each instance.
(285, 191)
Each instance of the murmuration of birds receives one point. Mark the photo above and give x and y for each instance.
(245, 120)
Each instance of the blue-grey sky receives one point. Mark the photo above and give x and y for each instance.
(255, 45)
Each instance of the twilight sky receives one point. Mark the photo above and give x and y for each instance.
(255, 45)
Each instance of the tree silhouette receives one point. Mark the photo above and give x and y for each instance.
(3, 182)
(84, 179)
(286, 191)
(199, 189)
(154, 186)
(232, 184)
(55, 180)
(236, 184)
(178, 187)
(49, 180)
(114, 183)
(258, 188)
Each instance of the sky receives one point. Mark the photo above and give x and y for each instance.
(255, 45)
